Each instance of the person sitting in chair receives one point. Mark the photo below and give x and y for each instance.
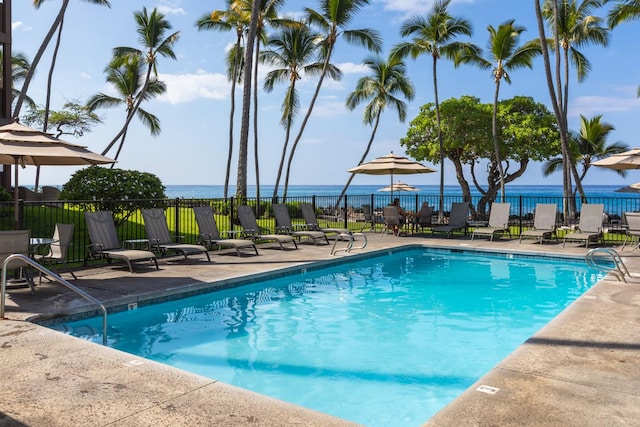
(415, 221)
(402, 214)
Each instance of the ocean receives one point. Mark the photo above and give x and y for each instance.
(216, 191)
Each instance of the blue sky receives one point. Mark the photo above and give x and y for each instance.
(191, 148)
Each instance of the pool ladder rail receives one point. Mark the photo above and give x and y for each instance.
(608, 260)
(26, 260)
(349, 238)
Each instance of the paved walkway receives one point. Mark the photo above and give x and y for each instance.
(582, 369)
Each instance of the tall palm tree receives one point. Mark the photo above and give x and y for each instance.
(151, 29)
(19, 69)
(505, 55)
(622, 11)
(435, 35)
(43, 47)
(383, 88)
(231, 19)
(241, 181)
(293, 53)
(332, 18)
(128, 79)
(589, 144)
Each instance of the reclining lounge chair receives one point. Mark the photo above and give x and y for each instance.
(252, 231)
(544, 223)
(311, 221)
(589, 227)
(457, 219)
(285, 226)
(155, 223)
(105, 243)
(498, 222)
(210, 235)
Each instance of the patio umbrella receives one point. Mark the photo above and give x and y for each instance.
(399, 186)
(22, 146)
(633, 188)
(621, 161)
(391, 164)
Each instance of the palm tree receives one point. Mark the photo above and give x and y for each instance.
(128, 79)
(588, 145)
(383, 88)
(151, 29)
(622, 11)
(43, 47)
(331, 19)
(231, 19)
(435, 35)
(505, 55)
(19, 69)
(292, 51)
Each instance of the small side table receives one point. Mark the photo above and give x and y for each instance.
(134, 243)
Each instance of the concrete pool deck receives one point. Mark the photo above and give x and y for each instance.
(582, 369)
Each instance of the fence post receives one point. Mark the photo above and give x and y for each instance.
(177, 217)
(345, 211)
(520, 214)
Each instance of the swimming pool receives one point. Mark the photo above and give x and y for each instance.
(383, 341)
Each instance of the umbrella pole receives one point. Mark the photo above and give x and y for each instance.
(16, 216)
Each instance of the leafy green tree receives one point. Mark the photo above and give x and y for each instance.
(588, 145)
(435, 35)
(127, 78)
(292, 52)
(332, 19)
(151, 28)
(74, 119)
(529, 133)
(121, 191)
(384, 87)
(504, 55)
(231, 19)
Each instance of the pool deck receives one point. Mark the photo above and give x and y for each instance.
(582, 369)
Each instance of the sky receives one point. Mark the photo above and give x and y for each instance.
(194, 112)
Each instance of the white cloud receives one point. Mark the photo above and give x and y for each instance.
(351, 68)
(329, 109)
(85, 76)
(182, 88)
(414, 7)
(19, 25)
(589, 105)
(169, 8)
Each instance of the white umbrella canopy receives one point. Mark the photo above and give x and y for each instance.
(633, 188)
(399, 186)
(622, 161)
(391, 164)
(21, 146)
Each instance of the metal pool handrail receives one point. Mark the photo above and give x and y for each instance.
(42, 269)
(618, 270)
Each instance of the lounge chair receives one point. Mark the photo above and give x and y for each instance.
(423, 219)
(252, 231)
(210, 235)
(589, 227)
(155, 223)
(632, 221)
(105, 243)
(284, 225)
(58, 250)
(311, 221)
(544, 223)
(498, 222)
(16, 242)
(457, 219)
(391, 220)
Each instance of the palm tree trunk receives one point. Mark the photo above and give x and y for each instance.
(124, 135)
(255, 126)
(38, 57)
(241, 182)
(496, 143)
(325, 66)
(232, 112)
(291, 90)
(440, 141)
(362, 159)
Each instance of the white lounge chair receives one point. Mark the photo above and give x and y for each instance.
(284, 225)
(210, 235)
(155, 223)
(632, 222)
(252, 231)
(544, 223)
(589, 227)
(457, 219)
(58, 250)
(16, 242)
(498, 222)
(105, 243)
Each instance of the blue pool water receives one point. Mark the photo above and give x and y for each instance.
(385, 341)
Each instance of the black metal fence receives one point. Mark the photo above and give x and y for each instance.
(353, 211)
